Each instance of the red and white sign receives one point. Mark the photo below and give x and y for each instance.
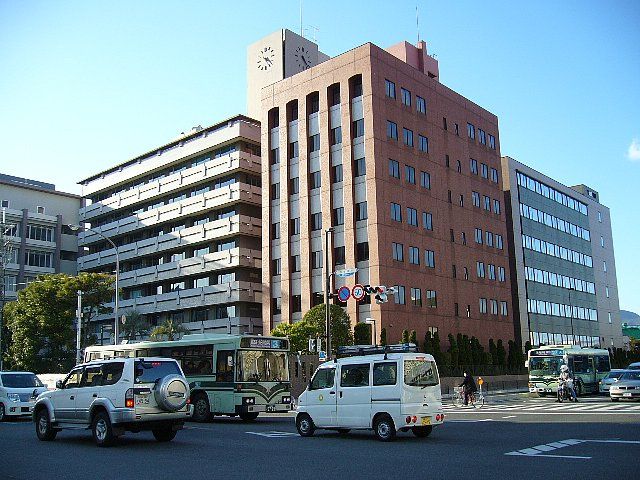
(357, 292)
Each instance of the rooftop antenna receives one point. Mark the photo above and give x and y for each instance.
(417, 23)
(301, 31)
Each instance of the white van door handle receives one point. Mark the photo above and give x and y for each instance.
(332, 392)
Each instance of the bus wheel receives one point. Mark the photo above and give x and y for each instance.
(249, 416)
(201, 409)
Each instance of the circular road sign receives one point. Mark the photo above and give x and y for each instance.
(357, 292)
(344, 293)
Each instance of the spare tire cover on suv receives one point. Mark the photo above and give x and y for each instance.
(171, 393)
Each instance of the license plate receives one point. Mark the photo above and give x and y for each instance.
(142, 400)
(270, 408)
(626, 394)
(426, 420)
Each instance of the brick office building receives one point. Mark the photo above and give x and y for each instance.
(407, 173)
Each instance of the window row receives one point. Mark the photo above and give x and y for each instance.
(484, 171)
(407, 137)
(35, 258)
(409, 174)
(431, 297)
(493, 304)
(390, 92)
(490, 239)
(541, 307)
(554, 222)
(412, 216)
(397, 253)
(544, 338)
(482, 136)
(553, 250)
(489, 272)
(486, 202)
(557, 280)
(40, 232)
(551, 193)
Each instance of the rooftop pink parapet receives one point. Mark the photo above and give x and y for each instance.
(417, 57)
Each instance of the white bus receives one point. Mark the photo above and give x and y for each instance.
(234, 375)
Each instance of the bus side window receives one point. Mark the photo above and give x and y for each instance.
(224, 366)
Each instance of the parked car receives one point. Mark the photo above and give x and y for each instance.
(605, 384)
(634, 366)
(627, 386)
(386, 392)
(110, 397)
(18, 393)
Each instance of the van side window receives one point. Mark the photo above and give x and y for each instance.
(355, 375)
(323, 378)
(385, 373)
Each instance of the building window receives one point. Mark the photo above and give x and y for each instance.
(606, 289)
(601, 241)
(294, 186)
(471, 131)
(430, 258)
(600, 217)
(397, 251)
(294, 226)
(454, 273)
(501, 274)
(475, 199)
(482, 137)
(425, 180)
(432, 299)
(40, 209)
(394, 168)
(407, 137)
(5, 203)
(492, 271)
(40, 232)
(487, 203)
(362, 251)
(499, 242)
(492, 142)
(416, 297)
(496, 206)
(604, 266)
(456, 128)
(295, 263)
(392, 130)
(489, 238)
(315, 180)
(503, 308)
(423, 144)
(399, 297)
(473, 165)
(274, 156)
(339, 255)
(336, 136)
(337, 173)
(456, 310)
(494, 175)
(410, 174)
(316, 259)
(357, 128)
(427, 221)
(466, 273)
(494, 306)
(316, 221)
(414, 255)
(396, 212)
(275, 231)
(459, 166)
(478, 236)
(390, 88)
(276, 306)
(412, 216)
(406, 96)
(452, 235)
(296, 303)
(609, 316)
(483, 305)
(449, 196)
(317, 298)
(275, 191)
(361, 211)
(468, 311)
(276, 268)
(359, 167)
(314, 143)
(444, 123)
(421, 104)
(35, 258)
(338, 216)
(484, 170)
(480, 269)
(461, 200)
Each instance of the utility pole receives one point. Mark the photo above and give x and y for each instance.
(327, 291)
(79, 328)
(5, 254)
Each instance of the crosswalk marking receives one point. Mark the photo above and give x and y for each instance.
(274, 434)
(551, 408)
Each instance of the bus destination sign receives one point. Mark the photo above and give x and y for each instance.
(546, 353)
(264, 343)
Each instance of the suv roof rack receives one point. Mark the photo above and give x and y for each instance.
(353, 350)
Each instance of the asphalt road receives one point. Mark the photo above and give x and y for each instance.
(479, 444)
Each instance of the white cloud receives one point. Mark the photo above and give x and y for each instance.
(634, 150)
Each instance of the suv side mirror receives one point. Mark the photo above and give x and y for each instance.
(59, 384)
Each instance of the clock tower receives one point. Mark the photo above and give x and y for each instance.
(275, 57)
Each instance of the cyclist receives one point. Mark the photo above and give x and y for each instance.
(468, 387)
(566, 379)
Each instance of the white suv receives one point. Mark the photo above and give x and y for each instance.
(114, 396)
(18, 392)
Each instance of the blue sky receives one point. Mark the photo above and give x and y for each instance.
(87, 84)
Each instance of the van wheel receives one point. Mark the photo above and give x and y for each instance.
(44, 430)
(102, 430)
(201, 409)
(305, 425)
(249, 416)
(165, 434)
(384, 428)
(422, 432)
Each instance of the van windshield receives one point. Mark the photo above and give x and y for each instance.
(420, 373)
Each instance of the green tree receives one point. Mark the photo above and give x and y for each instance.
(493, 351)
(501, 354)
(169, 330)
(41, 320)
(362, 334)
(437, 351)
(405, 336)
(413, 337)
(428, 344)
(453, 351)
(527, 346)
(383, 336)
(135, 326)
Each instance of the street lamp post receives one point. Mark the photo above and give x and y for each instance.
(78, 327)
(372, 322)
(327, 290)
(75, 228)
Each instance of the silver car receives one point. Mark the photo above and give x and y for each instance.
(18, 393)
(609, 379)
(627, 386)
(634, 366)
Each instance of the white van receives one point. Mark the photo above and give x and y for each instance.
(385, 392)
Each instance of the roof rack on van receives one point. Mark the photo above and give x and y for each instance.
(353, 350)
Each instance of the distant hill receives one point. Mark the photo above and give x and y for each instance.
(630, 318)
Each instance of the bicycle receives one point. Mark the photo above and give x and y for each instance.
(476, 399)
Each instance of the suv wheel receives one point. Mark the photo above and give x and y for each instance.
(305, 425)
(164, 434)
(102, 431)
(249, 416)
(44, 430)
(201, 409)
(384, 428)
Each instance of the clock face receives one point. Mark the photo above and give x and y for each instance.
(266, 58)
(303, 58)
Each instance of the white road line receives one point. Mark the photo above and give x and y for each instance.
(273, 434)
(510, 416)
(577, 457)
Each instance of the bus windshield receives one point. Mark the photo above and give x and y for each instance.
(262, 366)
(545, 365)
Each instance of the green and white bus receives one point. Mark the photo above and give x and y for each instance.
(234, 375)
(587, 365)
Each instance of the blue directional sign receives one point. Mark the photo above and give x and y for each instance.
(344, 293)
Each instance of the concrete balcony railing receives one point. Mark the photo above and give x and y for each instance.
(170, 241)
(238, 192)
(211, 262)
(225, 293)
(213, 168)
